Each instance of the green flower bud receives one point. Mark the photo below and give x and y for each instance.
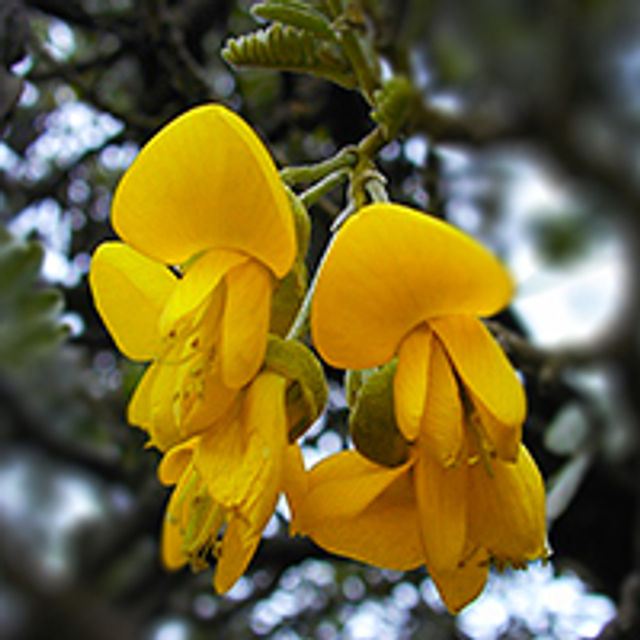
(372, 423)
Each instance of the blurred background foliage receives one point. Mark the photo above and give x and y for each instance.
(525, 133)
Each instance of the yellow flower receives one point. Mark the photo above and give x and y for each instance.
(396, 282)
(228, 480)
(400, 518)
(208, 229)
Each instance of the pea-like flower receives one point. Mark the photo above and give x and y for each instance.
(207, 229)
(400, 284)
(228, 481)
(400, 517)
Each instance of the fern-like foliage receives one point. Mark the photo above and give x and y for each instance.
(394, 104)
(286, 48)
(296, 14)
(29, 314)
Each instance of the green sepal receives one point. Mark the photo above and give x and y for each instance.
(290, 291)
(394, 104)
(286, 299)
(302, 223)
(295, 14)
(307, 391)
(372, 423)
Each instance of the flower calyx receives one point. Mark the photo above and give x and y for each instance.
(307, 391)
(372, 424)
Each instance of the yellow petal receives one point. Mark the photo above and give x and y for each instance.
(441, 497)
(506, 510)
(384, 533)
(205, 181)
(171, 545)
(504, 438)
(241, 462)
(486, 372)
(212, 400)
(463, 584)
(199, 281)
(442, 428)
(152, 404)
(389, 269)
(238, 547)
(245, 323)
(175, 461)
(171, 551)
(294, 481)
(129, 291)
(410, 381)
(341, 486)
(139, 409)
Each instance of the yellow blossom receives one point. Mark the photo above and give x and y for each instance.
(228, 481)
(398, 283)
(207, 229)
(398, 518)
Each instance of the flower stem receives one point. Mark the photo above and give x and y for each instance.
(300, 324)
(349, 162)
(346, 157)
(349, 21)
(374, 186)
(320, 189)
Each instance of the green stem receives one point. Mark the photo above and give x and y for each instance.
(362, 158)
(365, 168)
(371, 144)
(347, 157)
(300, 324)
(349, 22)
(354, 50)
(374, 186)
(320, 189)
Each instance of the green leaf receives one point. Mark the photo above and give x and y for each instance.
(394, 104)
(372, 423)
(285, 48)
(29, 316)
(297, 15)
(47, 303)
(19, 265)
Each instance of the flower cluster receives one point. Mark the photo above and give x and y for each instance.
(209, 234)
(203, 288)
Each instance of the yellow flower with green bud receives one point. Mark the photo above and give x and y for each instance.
(448, 483)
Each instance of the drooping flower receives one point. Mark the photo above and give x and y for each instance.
(228, 481)
(397, 517)
(399, 284)
(207, 229)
